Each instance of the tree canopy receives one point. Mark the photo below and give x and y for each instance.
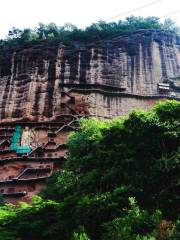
(120, 182)
(96, 31)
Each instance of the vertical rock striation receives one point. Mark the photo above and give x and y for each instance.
(32, 77)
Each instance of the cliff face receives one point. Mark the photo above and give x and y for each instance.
(45, 87)
(110, 77)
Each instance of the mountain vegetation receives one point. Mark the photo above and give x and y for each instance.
(120, 182)
(97, 31)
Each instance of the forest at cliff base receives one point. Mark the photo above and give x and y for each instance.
(121, 181)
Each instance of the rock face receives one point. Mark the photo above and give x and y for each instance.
(117, 75)
(45, 87)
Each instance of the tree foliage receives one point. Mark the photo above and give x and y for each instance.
(96, 31)
(120, 182)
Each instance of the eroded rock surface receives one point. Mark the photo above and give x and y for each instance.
(32, 77)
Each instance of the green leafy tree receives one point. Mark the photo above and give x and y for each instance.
(80, 234)
(96, 31)
(28, 35)
(120, 181)
(14, 33)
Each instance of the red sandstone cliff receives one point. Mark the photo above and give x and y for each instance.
(46, 87)
(114, 76)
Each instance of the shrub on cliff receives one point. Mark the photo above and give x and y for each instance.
(69, 33)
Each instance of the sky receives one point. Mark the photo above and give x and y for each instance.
(28, 13)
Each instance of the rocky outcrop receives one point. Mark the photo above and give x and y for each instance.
(117, 75)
